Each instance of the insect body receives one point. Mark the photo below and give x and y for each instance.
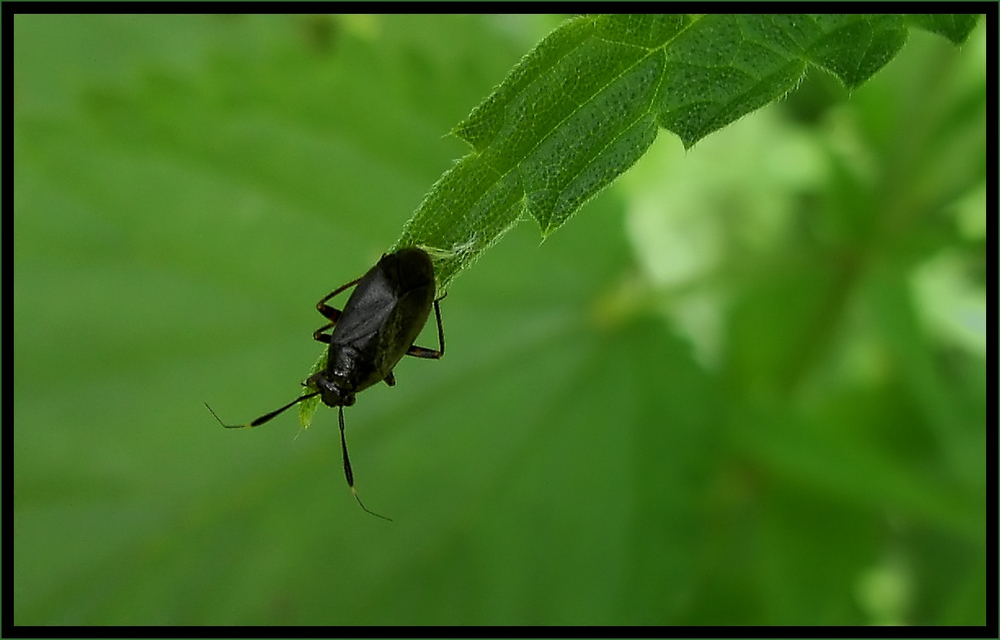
(383, 316)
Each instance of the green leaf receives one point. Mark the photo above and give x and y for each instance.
(955, 27)
(307, 408)
(585, 104)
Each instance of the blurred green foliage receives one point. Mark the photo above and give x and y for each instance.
(744, 386)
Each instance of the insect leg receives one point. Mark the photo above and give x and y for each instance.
(318, 334)
(347, 468)
(422, 352)
(264, 418)
(329, 312)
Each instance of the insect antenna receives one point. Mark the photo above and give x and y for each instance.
(264, 418)
(349, 473)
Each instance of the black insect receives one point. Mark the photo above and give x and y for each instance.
(383, 316)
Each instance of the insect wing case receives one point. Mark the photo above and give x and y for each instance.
(386, 312)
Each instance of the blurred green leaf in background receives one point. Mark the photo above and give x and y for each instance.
(746, 385)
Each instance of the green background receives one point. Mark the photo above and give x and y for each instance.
(745, 385)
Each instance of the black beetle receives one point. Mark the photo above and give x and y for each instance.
(383, 316)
